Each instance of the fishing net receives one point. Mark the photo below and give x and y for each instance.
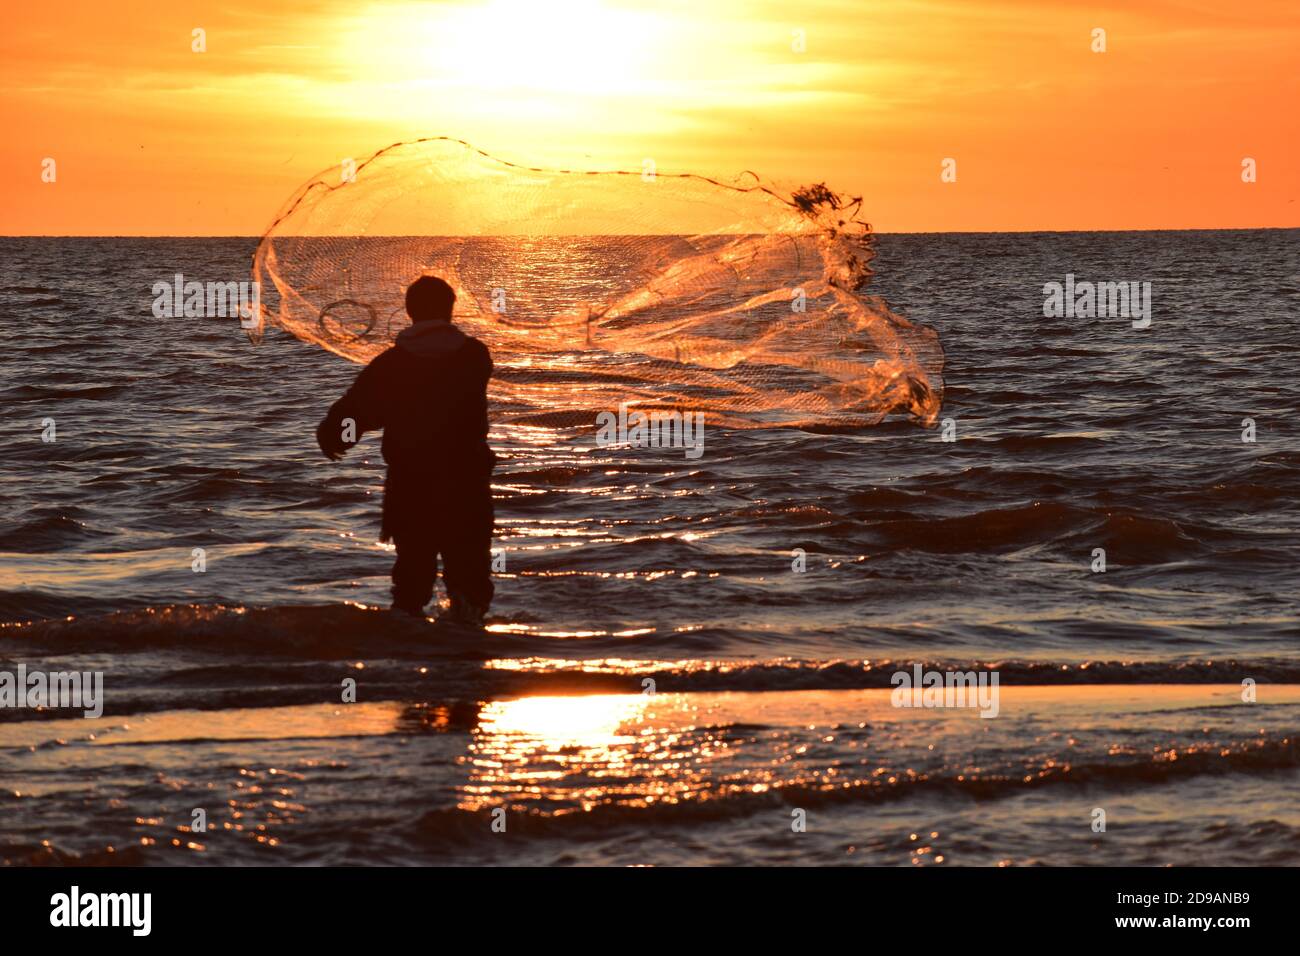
(595, 290)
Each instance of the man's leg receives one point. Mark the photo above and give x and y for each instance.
(414, 572)
(467, 547)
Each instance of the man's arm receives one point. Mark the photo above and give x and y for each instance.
(360, 410)
(472, 409)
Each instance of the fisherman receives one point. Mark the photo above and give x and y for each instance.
(429, 394)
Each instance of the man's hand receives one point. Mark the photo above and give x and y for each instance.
(331, 444)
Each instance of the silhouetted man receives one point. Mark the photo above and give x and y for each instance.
(429, 395)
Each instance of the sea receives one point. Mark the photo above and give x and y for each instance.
(690, 661)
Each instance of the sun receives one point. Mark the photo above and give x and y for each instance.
(582, 48)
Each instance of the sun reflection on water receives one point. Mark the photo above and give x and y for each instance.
(562, 722)
(560, 754)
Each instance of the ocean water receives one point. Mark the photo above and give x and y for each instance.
(658, 684)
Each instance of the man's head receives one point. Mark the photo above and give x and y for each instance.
(429, 299)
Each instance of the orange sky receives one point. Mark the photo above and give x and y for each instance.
(149, 137)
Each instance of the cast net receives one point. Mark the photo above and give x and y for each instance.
(594, 290)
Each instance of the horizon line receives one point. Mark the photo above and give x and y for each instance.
(898, 232)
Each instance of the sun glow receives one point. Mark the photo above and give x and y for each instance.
(576, 47)
(867, 97)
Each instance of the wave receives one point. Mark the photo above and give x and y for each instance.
(33, 393)
(741, 797)
(50, 532)
(590, 661)
(29, 289)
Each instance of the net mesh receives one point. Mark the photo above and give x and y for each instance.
(599, 289)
